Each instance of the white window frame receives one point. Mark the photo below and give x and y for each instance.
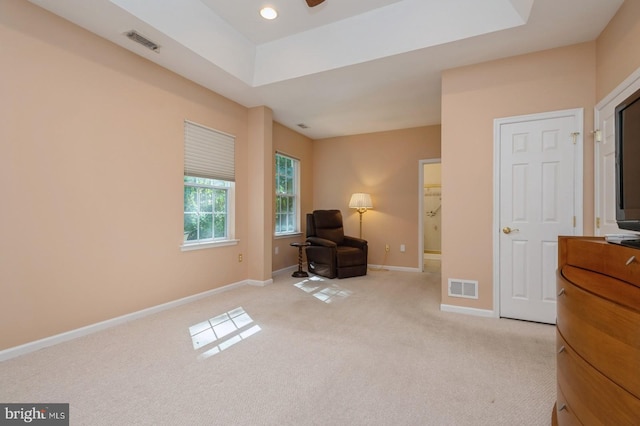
(210, 154)
(294, 195)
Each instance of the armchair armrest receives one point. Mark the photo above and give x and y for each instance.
(317, 241)
(354, 242)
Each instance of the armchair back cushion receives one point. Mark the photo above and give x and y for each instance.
(328, 225)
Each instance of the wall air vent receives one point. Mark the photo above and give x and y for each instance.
(463, 288)
(135, 36)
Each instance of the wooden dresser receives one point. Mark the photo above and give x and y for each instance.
(597, 333)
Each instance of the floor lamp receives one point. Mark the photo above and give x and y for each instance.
(361, 202)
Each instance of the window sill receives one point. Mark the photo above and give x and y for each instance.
(207, 244)
(291, 235)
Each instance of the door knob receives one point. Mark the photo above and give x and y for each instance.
(508, 230)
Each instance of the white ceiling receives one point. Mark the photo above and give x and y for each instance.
(346, 66)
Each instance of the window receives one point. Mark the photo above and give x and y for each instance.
(287, 195)
(206, 207)
(209, 175)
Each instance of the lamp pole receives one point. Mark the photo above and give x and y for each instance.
(361, 210)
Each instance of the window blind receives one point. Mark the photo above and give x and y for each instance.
(208, 153)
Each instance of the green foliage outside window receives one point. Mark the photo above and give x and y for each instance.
(205, 208)
(286, 194)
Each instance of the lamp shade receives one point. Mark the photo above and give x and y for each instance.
(360, 200)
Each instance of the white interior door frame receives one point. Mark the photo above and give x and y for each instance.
(421, 164)
(578, 205)
(629, 85)
(620, 93)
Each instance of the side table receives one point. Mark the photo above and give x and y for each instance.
(300, 272)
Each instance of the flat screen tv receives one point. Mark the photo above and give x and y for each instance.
(627, 178)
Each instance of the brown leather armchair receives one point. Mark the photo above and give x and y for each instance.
(331, 253)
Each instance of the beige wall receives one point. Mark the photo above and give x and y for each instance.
(91, 165)
(571, 77)
(293, 144)
(472, 97)
(260, 188)
(618, 49)
(91, 170)
(385, 165)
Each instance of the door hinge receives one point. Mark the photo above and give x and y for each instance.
(574, 221)
(597, 135)
(575, 135)
(597, 223)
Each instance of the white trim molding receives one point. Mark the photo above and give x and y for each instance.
(629, 85)
(468, 311)
(99, 326)
(288, 269)
(257, 283)
(207, 244)
(378, 268)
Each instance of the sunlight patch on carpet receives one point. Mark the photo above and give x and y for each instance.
(326, 293)
(223, 331)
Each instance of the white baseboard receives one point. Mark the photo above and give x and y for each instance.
(89, 329)
(468, 311)
(288, 269)
(375, 268)
(370, 268)
(260, 283)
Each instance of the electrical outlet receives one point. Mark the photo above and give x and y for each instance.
(277, 250)
(386, 248)
(402, 248)
(240, 257)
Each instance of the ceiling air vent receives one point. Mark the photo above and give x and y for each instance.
(133, 35)
(302, 126)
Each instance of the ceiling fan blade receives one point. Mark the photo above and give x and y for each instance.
(312, 3)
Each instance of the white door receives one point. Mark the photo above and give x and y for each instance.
(604, 173)
(540, 181)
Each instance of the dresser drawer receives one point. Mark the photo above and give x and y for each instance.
(605, 334)
(564, 415)
(593, 398)
(604, 258)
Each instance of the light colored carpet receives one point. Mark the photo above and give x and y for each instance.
(371, 350)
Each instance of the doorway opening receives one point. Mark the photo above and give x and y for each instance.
(430, 215)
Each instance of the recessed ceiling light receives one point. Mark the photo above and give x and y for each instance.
(268, 13)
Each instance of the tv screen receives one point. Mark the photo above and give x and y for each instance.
(627, 118)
